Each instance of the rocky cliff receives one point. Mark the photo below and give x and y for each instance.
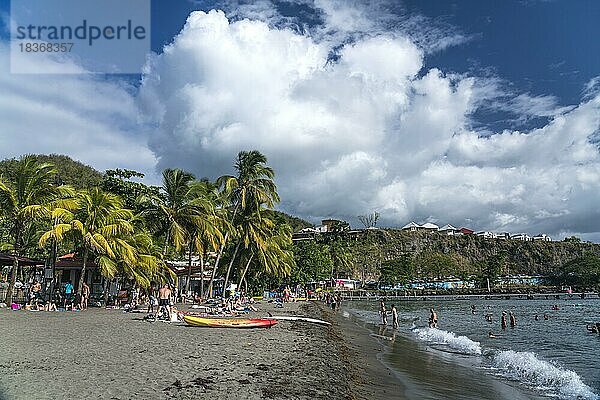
(468, 252)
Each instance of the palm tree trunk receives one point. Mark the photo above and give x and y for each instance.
(189, 274)
(166, 246)
(107, 282)
(202, 273)
(245, 270)
(13, 278)
(237, 247)
(82, 277)
(214, 271)
(221, 249)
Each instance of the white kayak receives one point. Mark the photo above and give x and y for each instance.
(302, 319)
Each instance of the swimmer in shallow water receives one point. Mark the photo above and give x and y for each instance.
(594, 328)
(491, 335)
(433, 318)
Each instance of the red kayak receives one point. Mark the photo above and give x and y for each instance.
(229, 322)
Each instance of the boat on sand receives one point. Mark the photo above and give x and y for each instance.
(216, 322)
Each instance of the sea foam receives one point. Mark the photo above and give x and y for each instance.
(527, 368)
(461, 344)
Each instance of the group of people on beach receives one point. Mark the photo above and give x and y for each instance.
(63, 296)
(383, 313)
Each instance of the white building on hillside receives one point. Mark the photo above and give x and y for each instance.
(485, 234)
(411, 226)
(428, 226)
(542, 237)
(449, 230)
(521, 236)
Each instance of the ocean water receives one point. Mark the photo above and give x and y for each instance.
(553, 358)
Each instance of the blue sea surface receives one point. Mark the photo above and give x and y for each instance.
(555, 357)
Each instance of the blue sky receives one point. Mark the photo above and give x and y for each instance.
(480, 114)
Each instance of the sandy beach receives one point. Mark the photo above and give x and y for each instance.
(109, 354)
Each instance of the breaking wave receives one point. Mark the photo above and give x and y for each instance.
(546, 376)
(461, 344)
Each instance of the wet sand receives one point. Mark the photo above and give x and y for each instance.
(109, 354)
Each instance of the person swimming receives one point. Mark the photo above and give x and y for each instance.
(433, 318)
(593, 328)
(491, 335)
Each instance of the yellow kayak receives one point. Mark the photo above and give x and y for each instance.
(229, 322)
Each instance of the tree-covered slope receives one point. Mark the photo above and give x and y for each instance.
(70, 172)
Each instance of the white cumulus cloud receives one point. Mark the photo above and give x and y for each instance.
(369, 129)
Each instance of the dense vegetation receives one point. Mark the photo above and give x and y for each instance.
(129, 229)
(67, 171)
(394, 256)
(51, 205)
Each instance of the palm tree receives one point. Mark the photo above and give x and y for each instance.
(340, 257)
(254, 231)
(23, 202)
(171, 211)
(275, 257)
(96, 225)
(252, 187)
(203, 232)
(136, 257)
(221, 220)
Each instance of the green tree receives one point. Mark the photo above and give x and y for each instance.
(253, 231)
(119, 182)
(172, 210)
(25, 200)
(203, 226)
(582, 272)
(275, 258)
(96, 225)
(312, 262)
(340, 258)
(247, 192)
(436, 265)
(399, 270)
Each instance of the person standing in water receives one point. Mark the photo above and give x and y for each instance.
(433, 319)
(513, 320)
(503, 320)
(383, 312)
(394, 317)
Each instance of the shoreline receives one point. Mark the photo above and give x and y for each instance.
(369, 377)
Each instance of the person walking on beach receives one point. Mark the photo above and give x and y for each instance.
(164, 295)
(383, 312)
(433, 318)
(85, 295)
(68, 295)
(513, 320)
(151, 299)
(503, 320)
(394, 317)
